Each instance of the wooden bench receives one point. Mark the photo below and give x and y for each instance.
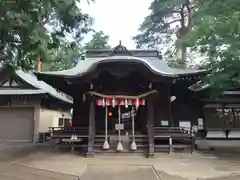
(223, 134)
(216, 134)
(234, 134)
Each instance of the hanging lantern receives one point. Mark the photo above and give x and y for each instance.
(137, 103)
(113, 102)
(103, 102)
(126, 103)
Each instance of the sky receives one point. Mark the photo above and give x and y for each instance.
(120, 19)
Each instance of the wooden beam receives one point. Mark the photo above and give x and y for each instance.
(123, 96)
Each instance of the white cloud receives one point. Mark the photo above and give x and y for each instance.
(119, 19)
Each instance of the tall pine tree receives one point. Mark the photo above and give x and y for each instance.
(168, 21)
(30, 29)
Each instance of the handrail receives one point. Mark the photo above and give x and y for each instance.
(73, 129)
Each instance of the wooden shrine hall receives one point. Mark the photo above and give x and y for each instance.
(126, 101)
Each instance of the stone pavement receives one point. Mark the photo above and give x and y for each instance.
(48, 165)
(15, 172)
(119, 172)
(178, 166)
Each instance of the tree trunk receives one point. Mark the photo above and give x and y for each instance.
(184, 55)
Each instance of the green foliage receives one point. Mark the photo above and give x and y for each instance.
(215, 32)
(168, 20)
(37, 27)
(99, 41)
(68, 54)
(64, 57)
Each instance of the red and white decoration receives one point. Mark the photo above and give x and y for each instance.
(119, 102)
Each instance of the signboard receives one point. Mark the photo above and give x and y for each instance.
(164, 123)
(185, 124)
(119, 126)
(126, 115)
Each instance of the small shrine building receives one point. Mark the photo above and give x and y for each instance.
(121, 93)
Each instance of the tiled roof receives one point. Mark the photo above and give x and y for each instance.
(154, 64)
(31, 79)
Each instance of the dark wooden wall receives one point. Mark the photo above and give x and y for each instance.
(80, 111)
(186, 107)
(161, 105)
(183, 108)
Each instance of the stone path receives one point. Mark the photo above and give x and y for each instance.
(119, 173)
(14, 172)
(39, 164)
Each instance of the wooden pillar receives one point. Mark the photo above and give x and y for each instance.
(91, 130)
(150, 125)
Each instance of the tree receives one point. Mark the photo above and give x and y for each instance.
(33, 29)
(216, 34)
(99, 41)
(64, 57)
(168, 20)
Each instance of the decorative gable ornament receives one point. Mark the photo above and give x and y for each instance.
(120, 50)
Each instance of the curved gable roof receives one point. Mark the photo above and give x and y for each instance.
(154, 64)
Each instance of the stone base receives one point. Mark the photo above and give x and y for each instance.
(90, 154)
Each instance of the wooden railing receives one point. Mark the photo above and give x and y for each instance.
(173, 131)
(171, 135)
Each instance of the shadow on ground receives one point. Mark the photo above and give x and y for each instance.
(231, 177)
(223, 154)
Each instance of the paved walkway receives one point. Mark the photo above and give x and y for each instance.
(15, 172)
(168, 167)
(40, 164)
(119, 172)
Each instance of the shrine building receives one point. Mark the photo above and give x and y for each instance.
(127, 101)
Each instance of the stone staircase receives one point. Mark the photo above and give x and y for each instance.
(140, 139)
